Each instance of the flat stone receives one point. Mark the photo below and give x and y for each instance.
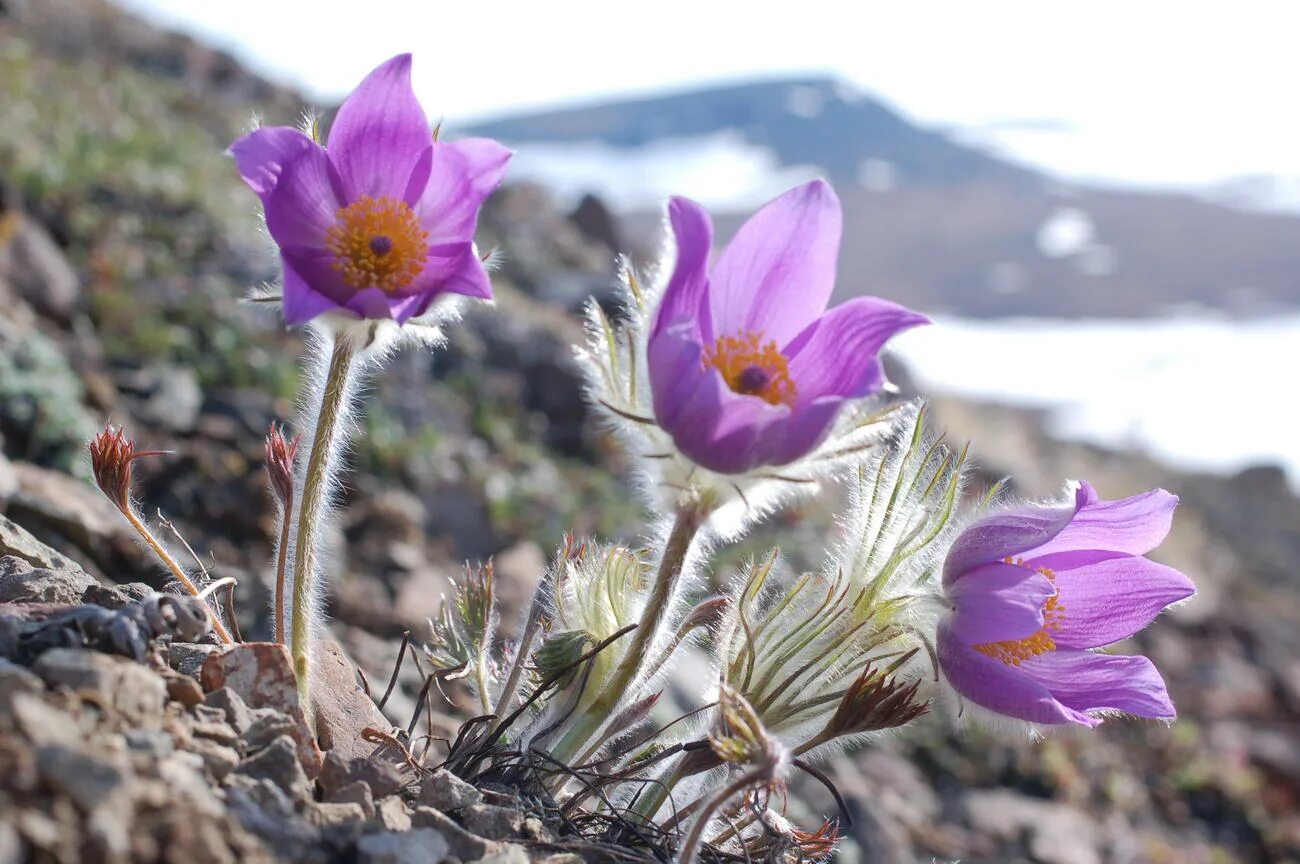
(237, 713)
(117, 682)
(20, 582)
(447, 792)
(493, 822)
(261, 674)
(344, 711)
(76, 510)
(417, 846)
(18, 542)
(278, 763)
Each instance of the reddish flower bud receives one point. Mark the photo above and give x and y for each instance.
(280, 455)
(111, 455)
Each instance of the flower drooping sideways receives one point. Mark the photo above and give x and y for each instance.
(380, 221)
(746, 365)
(1032, 590)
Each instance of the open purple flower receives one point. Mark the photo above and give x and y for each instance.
(381, 220)
(1033, 589)
(747, 366)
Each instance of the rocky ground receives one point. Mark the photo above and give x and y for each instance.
(125, 242)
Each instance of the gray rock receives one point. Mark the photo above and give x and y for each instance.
(11, 846)
(217, 758)
(393, 813)
(330, 814)
(237, 713)
(42, 724)
(278, 763)
(136, 692)
(1056, 833)
(187, 657)
(167, 397)
(464, 845)
(447, 792)
(382, 776)
(35, 265)
(507, 853)
(8, 483)
(417, 846)
(20, 582)
(265, 811)
(89, 781)
(493, 822)
(266, 724)
(358, 792)
(151, 742)
(15, 679)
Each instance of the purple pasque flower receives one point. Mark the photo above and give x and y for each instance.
(747, 366)
(1033, 589)
(381, 220)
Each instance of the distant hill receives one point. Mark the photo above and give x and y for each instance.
(929, 220)
(804, 121)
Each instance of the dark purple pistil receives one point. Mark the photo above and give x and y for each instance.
(381, 245)
(753, 379)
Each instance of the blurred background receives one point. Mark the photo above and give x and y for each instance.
(1099, 206)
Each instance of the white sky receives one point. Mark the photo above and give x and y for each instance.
(1154, 92)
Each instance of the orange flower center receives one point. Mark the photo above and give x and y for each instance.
(1015, 651)
(753, 368)
(377, 243)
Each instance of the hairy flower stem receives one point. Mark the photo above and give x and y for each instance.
(315, 491)
(174, 566)
(281, 565)
(690, 516)
(710, 806)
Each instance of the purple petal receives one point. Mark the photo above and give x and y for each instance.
(801, 432)
(721, 430)
(684, 298)
(380, 133)
(777, 274)
(303, 205)
(456, 269)
(998, 603)
(302, 302)
(995, 537)
(262, 154)
(1111, 600)
(1130, 526)
(836, 354)
(461, 177)
(1084, 681)
(1001, 688)
(676, 371)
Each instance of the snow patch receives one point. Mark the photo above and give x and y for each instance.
(1196, 392)
(1066, 232)
(722, 171)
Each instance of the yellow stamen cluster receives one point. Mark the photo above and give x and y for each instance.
(378, 243)
(1015, 651)
(753, 368)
